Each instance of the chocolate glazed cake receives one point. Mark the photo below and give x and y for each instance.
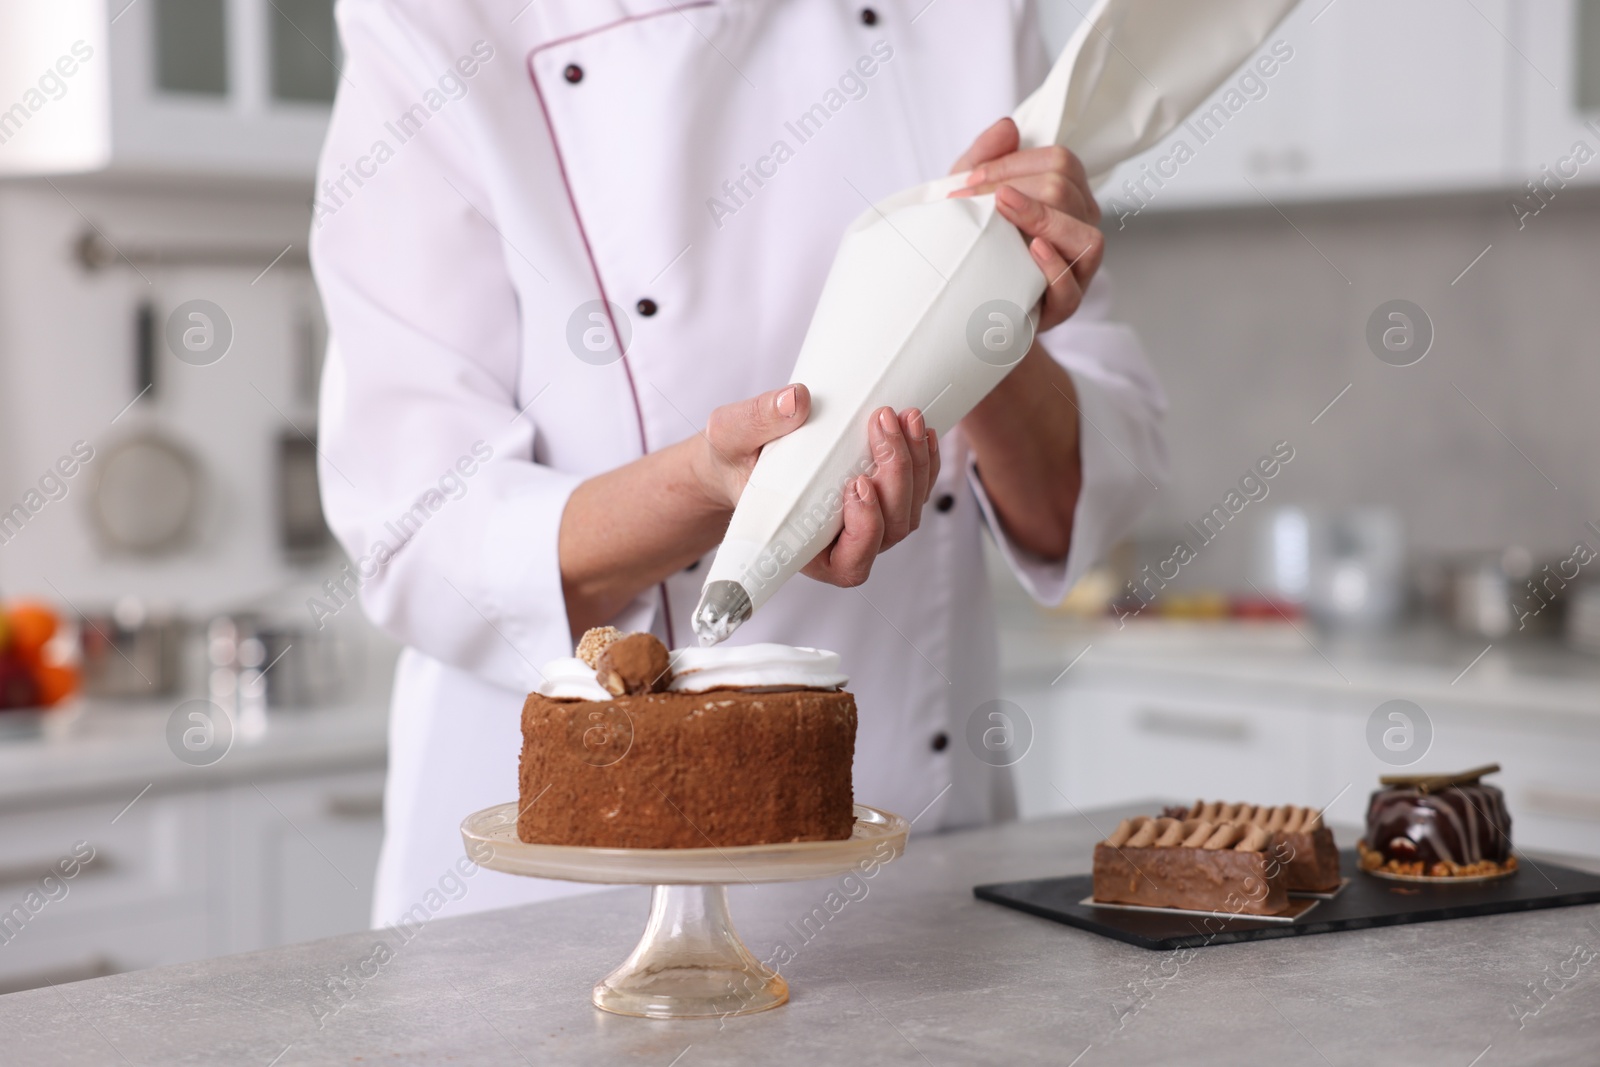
(717, 747)
(1438, 826)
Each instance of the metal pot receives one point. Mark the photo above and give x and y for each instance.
(1488, 596)
(1583, 617)
(131, 652)
(257, 661)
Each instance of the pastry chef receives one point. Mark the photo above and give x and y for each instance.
(568, 252)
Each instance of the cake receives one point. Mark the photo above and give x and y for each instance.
(628, 746)
(1438, 826)
(1297, 838)
(1194, 864)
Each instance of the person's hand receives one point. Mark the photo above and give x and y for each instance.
(879, 509)
(1045, 193)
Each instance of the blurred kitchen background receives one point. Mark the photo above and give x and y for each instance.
(1369, 269)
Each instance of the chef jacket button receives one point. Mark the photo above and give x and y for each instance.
(945, 502)
(869, 17)
(646, 307)
(573, 73)
(941, 741)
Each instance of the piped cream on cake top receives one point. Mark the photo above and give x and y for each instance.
(610, 664)
(1145, 832)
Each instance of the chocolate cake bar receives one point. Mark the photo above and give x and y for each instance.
(1438, 826)
(1297, 838)
(1193, 864)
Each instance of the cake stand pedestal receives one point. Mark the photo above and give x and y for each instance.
(690, 963)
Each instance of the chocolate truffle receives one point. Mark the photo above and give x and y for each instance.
(634, 665)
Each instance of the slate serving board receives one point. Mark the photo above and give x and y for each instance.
(1366, 902)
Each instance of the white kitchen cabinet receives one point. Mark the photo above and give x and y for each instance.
(220, 88)
(187, 875)
(1355, 98)
(81, 884)
(1120, 729)
(1411, 97)
(1560, 99)
(60, 950)
(302, 856)
(1111, 740)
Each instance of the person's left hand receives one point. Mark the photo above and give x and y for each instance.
(1045, 193)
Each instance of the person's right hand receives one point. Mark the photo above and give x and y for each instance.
(879, 509)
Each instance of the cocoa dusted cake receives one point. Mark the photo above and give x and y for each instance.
(1298, 839)
(1440, 826)
(628, 746)
(1194, 864)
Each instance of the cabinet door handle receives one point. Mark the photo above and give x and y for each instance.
(1198, 727)
(349, 806)
(31, 872)
(1564, 805)
(98, 967)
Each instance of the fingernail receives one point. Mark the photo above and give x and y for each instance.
(864, 491)
(888, 423)
(919, 429)
(975, 176)
(786, 403)
(1010, 197)
(933, 440)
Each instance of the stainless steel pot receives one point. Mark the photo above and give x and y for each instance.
(276, 664)
(1488, 595)
(131, 652)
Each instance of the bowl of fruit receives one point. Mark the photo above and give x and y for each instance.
(36, 680)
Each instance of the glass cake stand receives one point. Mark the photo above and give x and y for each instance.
(690, 963)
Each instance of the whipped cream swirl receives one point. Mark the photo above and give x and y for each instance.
(760, 668)
(571, 678)
(765, 666)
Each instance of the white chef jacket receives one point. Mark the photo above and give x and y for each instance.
(488, 173)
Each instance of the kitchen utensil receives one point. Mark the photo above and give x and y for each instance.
(931, 301)
(144, 329)
(1357, 568)
(1583, 617)
(147, 495)
(1486, 595)
(1283, 555)
(690, 963)
(132, 651)
(302, 531)
(260, 662)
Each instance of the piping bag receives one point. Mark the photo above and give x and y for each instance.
(931, 301)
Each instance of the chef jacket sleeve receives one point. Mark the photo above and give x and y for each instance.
(1120, 406)
(426, 458)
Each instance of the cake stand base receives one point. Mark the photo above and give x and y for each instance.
(690, 963)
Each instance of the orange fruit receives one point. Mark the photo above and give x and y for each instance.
(32, 625)
(55, 683)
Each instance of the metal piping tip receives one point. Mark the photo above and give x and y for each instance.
(723, 608)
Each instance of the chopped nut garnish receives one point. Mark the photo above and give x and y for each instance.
(596, 641)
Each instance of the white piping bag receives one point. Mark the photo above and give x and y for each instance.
(924, 305)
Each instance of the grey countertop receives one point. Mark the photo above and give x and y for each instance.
(916, 971)
(111, 747)
(1422, 661)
